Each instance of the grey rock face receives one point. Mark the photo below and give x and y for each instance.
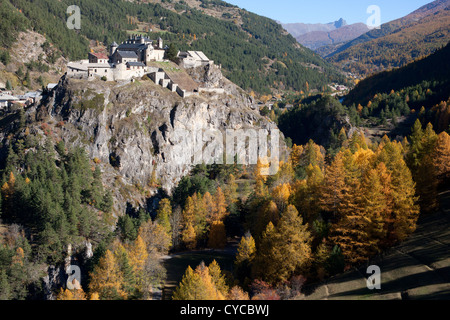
(131, 128)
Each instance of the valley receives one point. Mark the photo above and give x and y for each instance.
(193, 150)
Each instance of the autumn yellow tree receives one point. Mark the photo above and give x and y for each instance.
(295, 155)
(197, 285)
(210, 207)
(221, 205)
(246, 250)
(106, 279)
(404, 214)
(218, 278)
(155, 237)
(200, 217)
(76, 294)
(441, 157)
(231, 194)
(307, 194)
(284, 249)
(163, 215)
(217, 235)
(420, 160)
(280, 195)
(334, 186)
(189, 237)
(138, 257)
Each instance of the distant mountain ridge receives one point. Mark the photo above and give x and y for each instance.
(298, 29)
(397, 42)
(315, 36)
(317, 39)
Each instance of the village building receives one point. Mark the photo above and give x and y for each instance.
(6, 100)
(98, 58)
(193, 59)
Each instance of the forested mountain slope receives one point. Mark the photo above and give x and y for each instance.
(255, 52)
(397, 42)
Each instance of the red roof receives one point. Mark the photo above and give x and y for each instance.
(99, 55)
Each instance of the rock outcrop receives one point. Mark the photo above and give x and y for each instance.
(131, 128)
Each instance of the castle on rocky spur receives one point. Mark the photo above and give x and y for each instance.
(139, 56)
(126, 61)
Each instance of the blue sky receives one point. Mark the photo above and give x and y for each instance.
(323, 11)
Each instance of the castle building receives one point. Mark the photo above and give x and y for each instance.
(124, 62)
(145, 49)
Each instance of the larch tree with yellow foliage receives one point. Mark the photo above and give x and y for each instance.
(138, 258)
(218, 278)
(334, 186)
(217, 235)
(163, 215)
(285, 249)
(280, 195)
(210, 207)
(442, 157)
(106, 279)
(76, 294)
(197, 285)
(221, 205)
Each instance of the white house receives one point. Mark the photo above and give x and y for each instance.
(193, 59)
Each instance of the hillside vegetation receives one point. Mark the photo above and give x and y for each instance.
(255, 52)
(397, 42)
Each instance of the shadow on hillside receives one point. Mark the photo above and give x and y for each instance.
(419, 268)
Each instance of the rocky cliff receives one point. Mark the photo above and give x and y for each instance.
(130, 129)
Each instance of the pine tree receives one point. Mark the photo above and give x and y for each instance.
(5, 287)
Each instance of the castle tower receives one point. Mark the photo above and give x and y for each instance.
(113, 48)
(160, 43)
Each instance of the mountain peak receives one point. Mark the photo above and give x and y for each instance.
(340, 23)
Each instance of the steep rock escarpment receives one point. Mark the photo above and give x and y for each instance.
(132, 129)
